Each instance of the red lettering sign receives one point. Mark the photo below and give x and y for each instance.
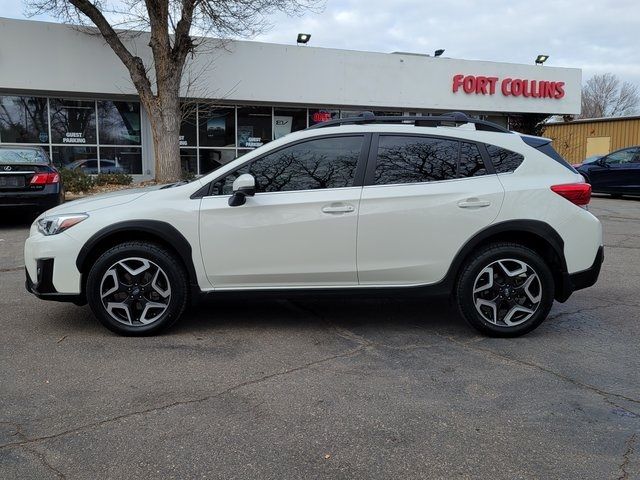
(319, 117)
(509, 87)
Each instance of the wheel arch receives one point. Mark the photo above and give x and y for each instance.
(154, 231)
(534, 234)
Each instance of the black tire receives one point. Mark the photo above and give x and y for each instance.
(509, 294)
(172, 276)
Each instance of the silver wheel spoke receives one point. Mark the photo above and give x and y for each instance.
(492, 305)
(135, 271)
(526, 286)
(121, 306)
(111, 274)
(515, 309)
(517, 271)
(154, 284)
(152, 306)
(486, 272)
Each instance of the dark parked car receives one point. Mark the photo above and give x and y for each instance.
(90, 166)
(28, 179)
(590, 159)
(617, 173)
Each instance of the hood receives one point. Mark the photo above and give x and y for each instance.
(103, 200)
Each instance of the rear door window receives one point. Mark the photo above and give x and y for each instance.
(415, 159)
(471, 162)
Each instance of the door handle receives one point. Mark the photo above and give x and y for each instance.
(473, 203)
(338, 208)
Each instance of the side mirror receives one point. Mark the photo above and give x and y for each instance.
(244, 186)
(602, 161)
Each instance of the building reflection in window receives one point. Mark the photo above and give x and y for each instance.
(24, 120)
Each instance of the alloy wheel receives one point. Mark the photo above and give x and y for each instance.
(135, 291)
(507, 292)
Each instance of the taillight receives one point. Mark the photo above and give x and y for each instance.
(45, 178)
(578, 193)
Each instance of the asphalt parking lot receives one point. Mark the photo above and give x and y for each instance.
(322, 388)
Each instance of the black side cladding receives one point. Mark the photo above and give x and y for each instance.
(544, 145)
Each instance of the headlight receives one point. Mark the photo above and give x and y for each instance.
(55, 224)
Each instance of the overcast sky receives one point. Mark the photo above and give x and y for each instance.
(597, 36)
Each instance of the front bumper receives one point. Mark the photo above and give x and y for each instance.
(43, 286)
(50, 263)
(577, 281)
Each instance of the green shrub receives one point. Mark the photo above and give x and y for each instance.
(113, 179)
(188, 175)
(76, 181)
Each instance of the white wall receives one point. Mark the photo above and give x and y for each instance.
(38, 56)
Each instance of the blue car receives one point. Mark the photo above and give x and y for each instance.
(617, 173)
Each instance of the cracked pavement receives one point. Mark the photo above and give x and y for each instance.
(326, 388)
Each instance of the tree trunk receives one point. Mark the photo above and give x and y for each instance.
(165, 119)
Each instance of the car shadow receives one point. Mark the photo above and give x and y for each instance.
(16, 218)
(384, 313)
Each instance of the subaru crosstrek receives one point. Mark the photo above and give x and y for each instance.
(427, 205)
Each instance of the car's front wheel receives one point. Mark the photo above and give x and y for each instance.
(506, 290)
(137, 288)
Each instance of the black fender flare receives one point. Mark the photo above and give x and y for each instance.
(164, 231)
(545, 232)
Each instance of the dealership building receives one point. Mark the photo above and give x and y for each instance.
(66, 91)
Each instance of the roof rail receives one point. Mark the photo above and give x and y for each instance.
(457, 118)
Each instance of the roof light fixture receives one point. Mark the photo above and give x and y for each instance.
(540, 59)
(303, 38)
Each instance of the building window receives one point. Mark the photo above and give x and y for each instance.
(119, 123)
(189, 160)
(24, 120)
(254, 126)
(122, 159)
(213, 158)
(80, 158)
(287, 120)
(217, 126)
(73, 122)
(189, 126)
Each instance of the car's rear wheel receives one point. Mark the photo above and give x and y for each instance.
(506, 290)
(137, 288)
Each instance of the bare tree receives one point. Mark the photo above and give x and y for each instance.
(605, 96)
(171, 25)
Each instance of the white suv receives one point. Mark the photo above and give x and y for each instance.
(426, 205)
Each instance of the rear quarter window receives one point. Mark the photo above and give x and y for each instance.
(504, 161)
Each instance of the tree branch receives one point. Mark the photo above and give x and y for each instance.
(134, 64)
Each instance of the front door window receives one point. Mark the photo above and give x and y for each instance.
(312, 165)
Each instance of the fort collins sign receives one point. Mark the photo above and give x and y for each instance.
(516, 87)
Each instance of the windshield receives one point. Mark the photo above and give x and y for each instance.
(22, 155)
